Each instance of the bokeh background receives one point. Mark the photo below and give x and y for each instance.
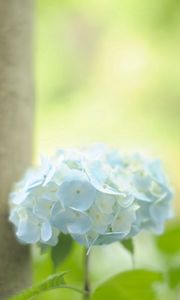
(108, 71)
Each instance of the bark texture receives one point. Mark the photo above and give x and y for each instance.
(16, 119)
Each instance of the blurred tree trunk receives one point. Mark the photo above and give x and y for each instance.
(16, 118)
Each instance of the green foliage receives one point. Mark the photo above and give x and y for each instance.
(61, 251)
(128, 245)
(174, 277)
(169, 241)
(51, 283)
(137, 284)
(169, 245)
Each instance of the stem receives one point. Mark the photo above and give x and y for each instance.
(87, 288)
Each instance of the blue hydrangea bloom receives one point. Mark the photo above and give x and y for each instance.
(96, 195)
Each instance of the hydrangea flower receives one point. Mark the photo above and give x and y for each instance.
(96, 195)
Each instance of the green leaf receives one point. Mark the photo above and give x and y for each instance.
(130, 285)
(174, 277)
(60, 252)
(51, 283)
(128, 245)
(169, 241)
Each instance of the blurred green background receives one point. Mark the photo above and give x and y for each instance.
(108, 71)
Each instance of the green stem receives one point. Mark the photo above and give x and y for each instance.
(87, 289)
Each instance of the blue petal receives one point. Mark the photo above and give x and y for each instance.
(28, 231)
(160, 210)
(18, 197)
(77, 192)
(105, 203)
(109, 238)
(54, 238)
(123, 220)
(81, 223)
(72, 221)
(46, 231)
(87, 239)
(125, 200)
(100, 221)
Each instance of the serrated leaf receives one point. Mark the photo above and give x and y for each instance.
(128, 245)
(52, 282)
(63, 248)
(130, 285)
(174, 277)
(169, 241)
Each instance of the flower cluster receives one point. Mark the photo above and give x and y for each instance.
(96, 195)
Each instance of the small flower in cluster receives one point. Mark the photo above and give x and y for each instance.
(96, 195)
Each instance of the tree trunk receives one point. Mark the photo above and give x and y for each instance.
(16, 119)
